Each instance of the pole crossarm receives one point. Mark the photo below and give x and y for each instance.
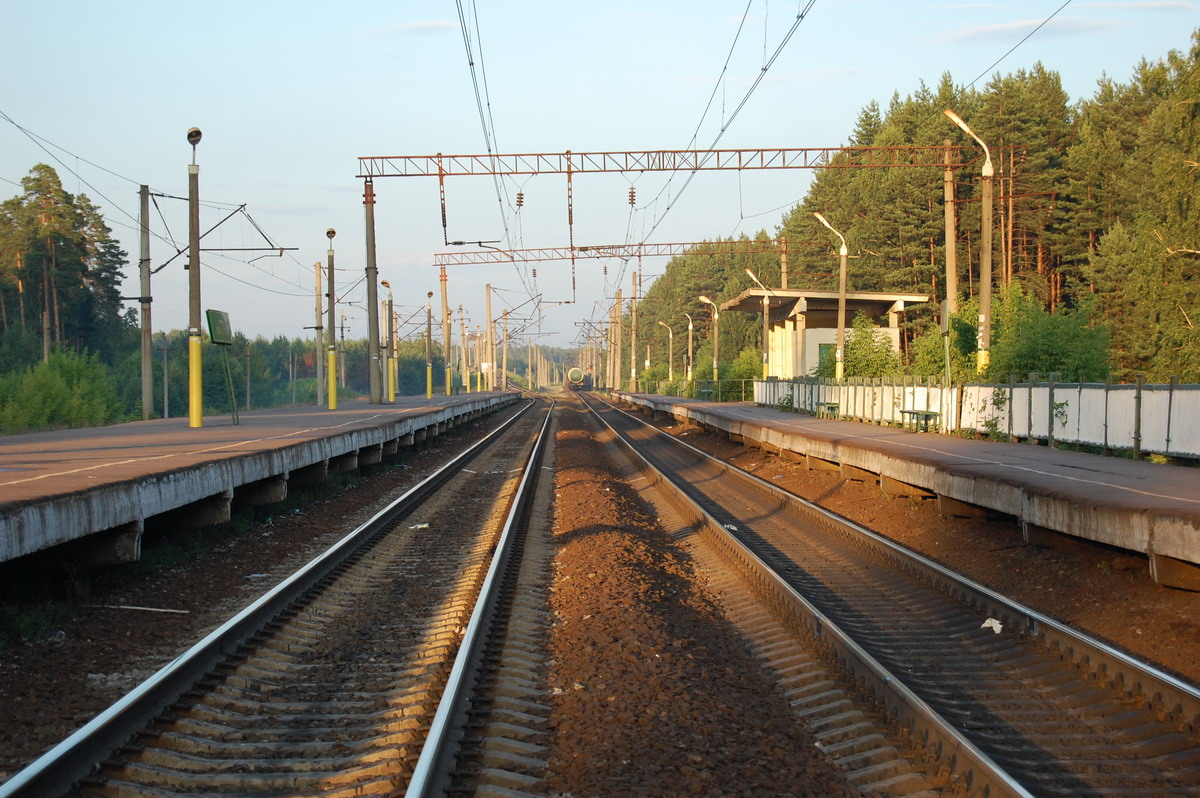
(603, 251)
(551, 163)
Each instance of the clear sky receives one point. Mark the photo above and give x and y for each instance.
(290, 95)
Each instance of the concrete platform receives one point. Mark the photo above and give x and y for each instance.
(97, 487)
(1144, 507)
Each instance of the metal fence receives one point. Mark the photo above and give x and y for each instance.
(1161, 418)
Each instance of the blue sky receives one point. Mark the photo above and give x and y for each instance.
(290, 95)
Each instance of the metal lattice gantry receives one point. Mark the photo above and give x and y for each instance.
(625, 251)
(568, 162)
(945, 156)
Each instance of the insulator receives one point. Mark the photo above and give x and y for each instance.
(535, 274)
(520, 198)
(606, 270)
(632, 195)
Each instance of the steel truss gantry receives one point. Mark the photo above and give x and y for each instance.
(551, 163)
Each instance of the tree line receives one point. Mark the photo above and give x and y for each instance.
(70, 357)
(1096, 249)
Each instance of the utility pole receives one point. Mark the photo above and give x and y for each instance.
(617, 320)
(951, 235)
(491, 346)
(341, 352)
(144, 299)
(331, 326)
(504, 370)
(195, 372)
(320, 339)
(464, 365)
(429, 345)
(633, 331)
(446, 321)
(372, 298)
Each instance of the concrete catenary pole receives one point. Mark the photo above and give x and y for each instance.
(376, 385)
(144, 301)
(195, 370)
(331, 326)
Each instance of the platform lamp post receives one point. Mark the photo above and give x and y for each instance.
(391, 346)
(766, 313)
(716, 334)
(839, 370)
(195, 370)
(429, 345)
(331, 327)
(670, 350)
(982, 355)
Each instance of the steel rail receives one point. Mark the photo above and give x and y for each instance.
(432, 772)
(971, 768)
(1166, 694)
(56, 771)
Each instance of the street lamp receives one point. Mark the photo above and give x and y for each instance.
(429, 345)
(982, 354)
(331, 327)
(195, 371)
(766, 325)
(691, 357)
(841, 318)
(670, 351)
(716, 333)
(391, 346)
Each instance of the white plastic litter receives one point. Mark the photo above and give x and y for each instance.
(993, 624)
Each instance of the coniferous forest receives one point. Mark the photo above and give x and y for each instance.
(1096, 260)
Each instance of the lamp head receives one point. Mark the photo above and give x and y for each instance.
(193, 136)
(330, 233)
(958, 120)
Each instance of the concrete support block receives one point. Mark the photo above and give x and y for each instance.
(210, 511)
(959, 509)
(264, 491)
(791, 456)
(370, 455)
(116, 546)
(421, 435)
(309, 475)
(1035, 535)
(857, 474)
(1174, 573)
(894, 487)
(819, 464)
(390, 447)
(409, 439)
(343, 463)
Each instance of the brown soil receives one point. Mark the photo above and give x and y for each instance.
(656, 692)
(1105, 591)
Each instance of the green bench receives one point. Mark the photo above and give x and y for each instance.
(918, 420)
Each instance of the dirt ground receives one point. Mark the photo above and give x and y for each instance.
(1107, 592)
(656, 694)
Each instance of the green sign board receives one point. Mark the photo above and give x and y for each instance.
(218, 327)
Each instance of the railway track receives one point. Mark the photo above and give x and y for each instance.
(413, 656)
(328, 683)
(986, 696)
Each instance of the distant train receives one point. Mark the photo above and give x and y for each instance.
(577, 380)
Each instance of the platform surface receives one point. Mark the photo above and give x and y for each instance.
(1139, 505)
(38, 466)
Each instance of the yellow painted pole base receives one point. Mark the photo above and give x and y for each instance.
(195, 383)
(331, 370)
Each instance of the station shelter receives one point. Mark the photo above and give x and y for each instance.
(802, 323)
